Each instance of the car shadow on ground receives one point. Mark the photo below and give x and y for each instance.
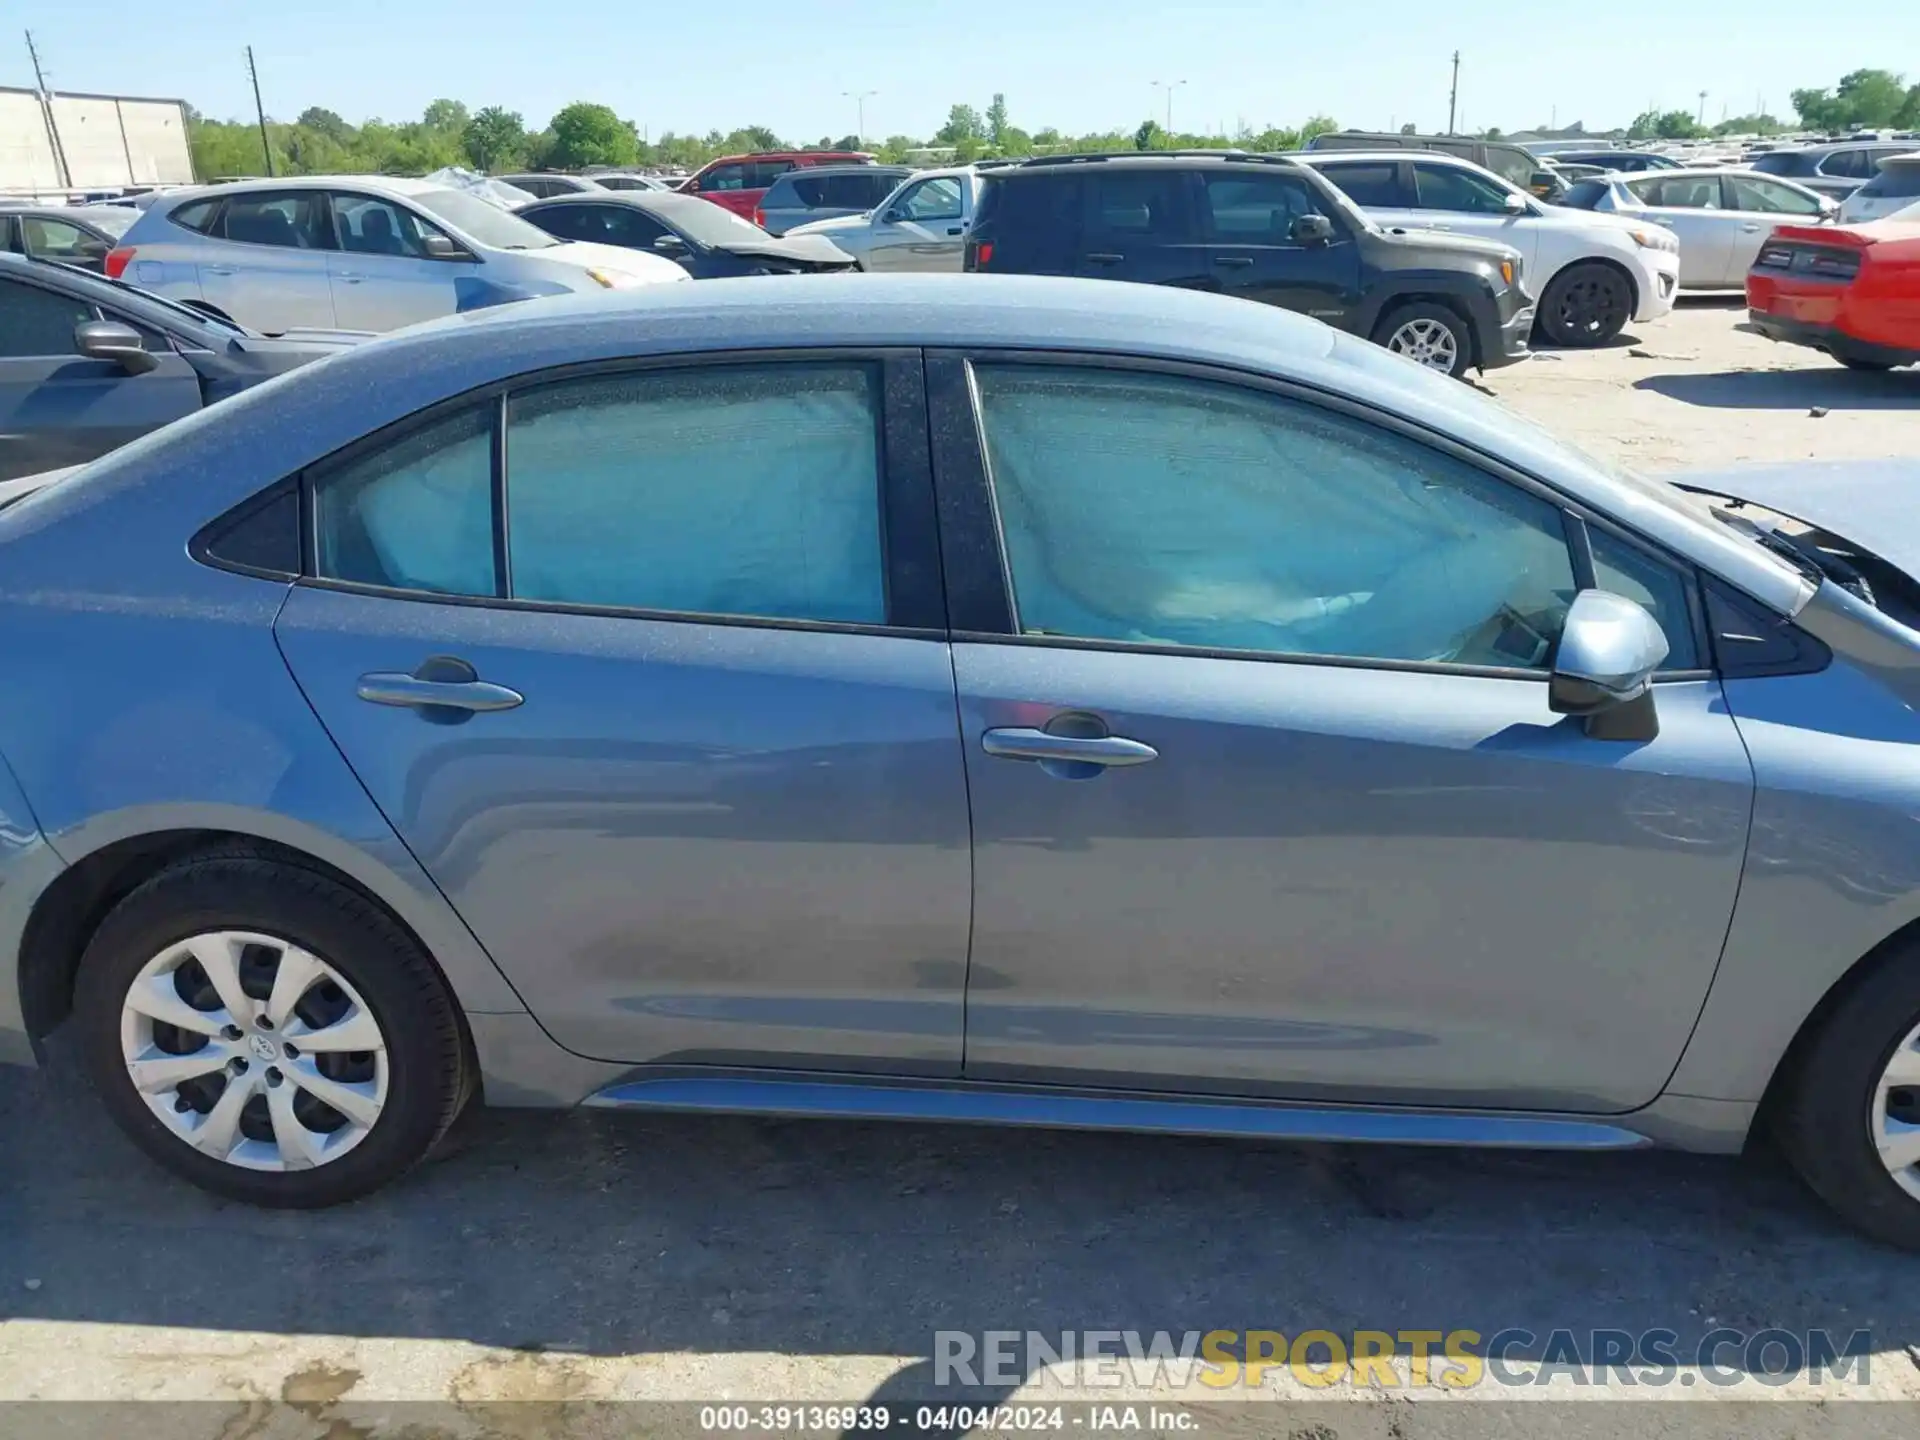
(603, 1234)
(1820, 385)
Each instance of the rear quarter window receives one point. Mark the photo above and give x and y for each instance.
(1034, 223)
(197, 216)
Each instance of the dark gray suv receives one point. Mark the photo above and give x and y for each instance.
(1836, 170)
(825, 192)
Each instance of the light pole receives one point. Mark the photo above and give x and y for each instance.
(1169, 86)
(860, 98)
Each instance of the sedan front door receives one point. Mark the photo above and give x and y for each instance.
(1267, 796)
(924, 229)
(683, 751)
(59, 408)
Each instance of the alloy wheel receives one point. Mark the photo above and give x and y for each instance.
(1894, 1116)
(254, 1051)
(1427, 342)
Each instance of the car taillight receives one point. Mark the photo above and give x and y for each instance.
(759, 217)
(117, 259)
(1779, 257)
(979, 254)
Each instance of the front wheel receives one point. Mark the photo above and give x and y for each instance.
(1428, 334)
(268, 1033)
(1586, 305)
(1849, 1118)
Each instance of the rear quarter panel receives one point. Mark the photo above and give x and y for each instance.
(146, 691)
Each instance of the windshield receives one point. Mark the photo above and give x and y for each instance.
(481, 221)
(706, 223)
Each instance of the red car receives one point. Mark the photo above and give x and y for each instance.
(1850, 290)
(738, 181)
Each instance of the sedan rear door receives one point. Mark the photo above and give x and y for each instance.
(59, 408)
(1691, 207)
(265, 263)
(649, 670)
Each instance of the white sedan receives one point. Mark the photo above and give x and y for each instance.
(1895, 188)
(1592, 273)
(1722, 214)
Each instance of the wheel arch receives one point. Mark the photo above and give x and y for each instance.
(1451, 300)
(1890, 950)
(66, 914)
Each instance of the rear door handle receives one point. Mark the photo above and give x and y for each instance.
(219, 269)
(1021, 743)
(442, 684)
(349, 278)
(956, 229)
(1237, 261)
(1105, 257)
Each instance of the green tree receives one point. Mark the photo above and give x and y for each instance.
(1047, 135)
(1317, 125)
(1748, 125)
(894, 149)
(325, 122)
(1909, 116)
(589, 134)
(1150, 136)
(1870, 98)
(963, 123)
(495, 139)
(997, 124)
(1409, 129)
(446, 115)
(754, 137)
(1492, 132)
(1014, 141)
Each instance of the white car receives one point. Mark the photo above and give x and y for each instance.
(1722, 214)
(1896, 187)
(357, 252)
(922, 225)
(1592, 273)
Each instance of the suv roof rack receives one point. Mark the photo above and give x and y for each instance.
(1249, 157)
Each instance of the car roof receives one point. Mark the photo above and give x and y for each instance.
(390, 184)
(1410, 152)
(80, 214)
(1137, 160)
(842, 155)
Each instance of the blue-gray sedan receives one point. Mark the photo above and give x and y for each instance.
(969, 698)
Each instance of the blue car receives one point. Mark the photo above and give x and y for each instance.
(997, 699)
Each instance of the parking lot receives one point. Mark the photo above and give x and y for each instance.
(584, 1256)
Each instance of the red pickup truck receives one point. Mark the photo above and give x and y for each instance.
(738, 181)
(1850, 290)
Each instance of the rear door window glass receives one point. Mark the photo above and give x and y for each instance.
(1139, 204)
(1374, 183)
(293, 219)
(416, 514)
(749, 491)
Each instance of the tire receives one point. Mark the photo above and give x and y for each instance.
(1429, 334)
(289, 1150)
(1853, 362)
(1826, 1119)
(1586, 305)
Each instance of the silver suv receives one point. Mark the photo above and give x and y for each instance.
(357, 252)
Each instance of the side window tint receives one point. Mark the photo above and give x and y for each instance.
(197, 216)
(932, 200)
(1170, 511)
(1256, 209)
(1445, 187)
(1656, 586)
(1142, 204)
(295, 219)
(1373, 182)
(748, 491)
(416, 515)
(36, 322)
(373, 227)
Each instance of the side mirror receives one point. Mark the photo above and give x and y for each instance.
(110, 340)
(1311, 230)
(1517, 204)
(1604, 665)
(439, 247)
(893, 217)
(670, 245)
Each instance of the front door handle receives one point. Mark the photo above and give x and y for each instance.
(1021, 743)
(1105, 257)
(219, 269)
(956, 229)
(443, 688)
(348, 276)
(1237, 261)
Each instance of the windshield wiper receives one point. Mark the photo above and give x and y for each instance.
(1804, 553)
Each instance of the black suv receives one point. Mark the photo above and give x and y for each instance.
(1262, 227)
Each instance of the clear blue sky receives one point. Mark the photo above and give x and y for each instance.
(785, 65)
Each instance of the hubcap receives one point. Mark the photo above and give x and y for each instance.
(1592, 306)
(254, 1051)
(1894, 1118)
(1427, 341)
